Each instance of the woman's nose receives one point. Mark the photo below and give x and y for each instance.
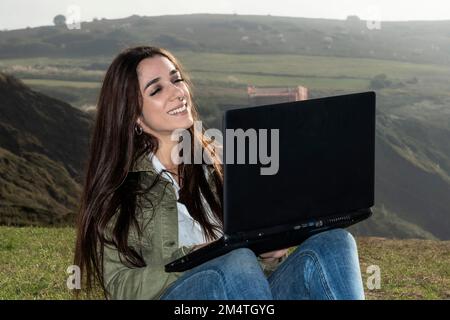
(177, 92)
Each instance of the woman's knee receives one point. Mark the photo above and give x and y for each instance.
(337, 236)
(242, 254)
(203, 284)
(335, 240)
(239, 265)
(234, 263)
(240, 260)
(340, 237)
(241, 275)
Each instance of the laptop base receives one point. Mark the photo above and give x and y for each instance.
(261, 242)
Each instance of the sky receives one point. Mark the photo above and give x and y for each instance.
(18, 14)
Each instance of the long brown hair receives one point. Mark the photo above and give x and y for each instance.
(110, 190)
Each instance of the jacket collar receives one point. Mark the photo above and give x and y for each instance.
(143, 164)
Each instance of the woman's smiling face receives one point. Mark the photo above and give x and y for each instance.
(166, 101)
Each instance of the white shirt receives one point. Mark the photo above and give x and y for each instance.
(189, 231)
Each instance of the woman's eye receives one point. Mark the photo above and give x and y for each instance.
(155, 92)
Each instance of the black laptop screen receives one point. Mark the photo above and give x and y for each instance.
(325, 162)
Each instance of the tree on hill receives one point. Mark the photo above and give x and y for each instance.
(353, 18)
(380, 81)
(59, 20)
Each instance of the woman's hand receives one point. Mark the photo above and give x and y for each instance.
(273, 256)
(198, 246)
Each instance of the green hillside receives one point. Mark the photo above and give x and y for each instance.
(35, 191)
(43, 144)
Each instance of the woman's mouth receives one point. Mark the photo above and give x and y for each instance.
(178, 111)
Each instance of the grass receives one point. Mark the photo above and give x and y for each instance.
(410, 269)
(34, 260)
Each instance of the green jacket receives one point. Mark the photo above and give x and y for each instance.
(158, 244)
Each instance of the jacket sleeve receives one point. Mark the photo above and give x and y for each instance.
(145, 283)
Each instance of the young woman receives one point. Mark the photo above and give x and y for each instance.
(140, 210)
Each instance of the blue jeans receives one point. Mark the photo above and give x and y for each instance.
(324, 267)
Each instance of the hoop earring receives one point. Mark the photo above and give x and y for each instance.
(138, 130)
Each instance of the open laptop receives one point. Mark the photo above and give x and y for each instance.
(324, 178)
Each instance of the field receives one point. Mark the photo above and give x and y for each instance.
(33, 264)
(227, 75)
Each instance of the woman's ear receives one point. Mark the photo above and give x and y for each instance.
(138, 127)
(140, 123)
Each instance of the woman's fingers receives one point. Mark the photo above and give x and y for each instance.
(274, 254)
(198, 246)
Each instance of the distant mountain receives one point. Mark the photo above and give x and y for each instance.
(414, 41)
(43, 145)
